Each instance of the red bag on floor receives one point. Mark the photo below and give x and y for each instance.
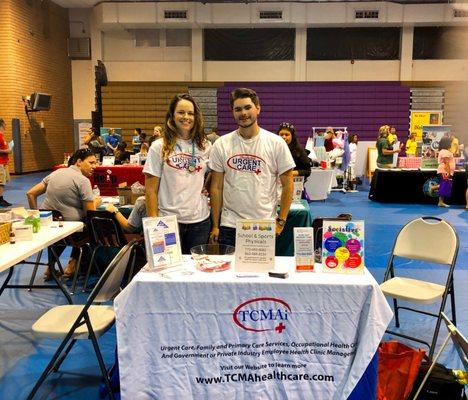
(397, 370)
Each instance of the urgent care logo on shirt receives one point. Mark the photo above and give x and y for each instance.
(182, 161)
(262, 314)
(246, 163)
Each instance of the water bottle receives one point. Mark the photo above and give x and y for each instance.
(96, 191)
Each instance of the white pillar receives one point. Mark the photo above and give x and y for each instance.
(406, 56)
(300, 61)
(197, 55)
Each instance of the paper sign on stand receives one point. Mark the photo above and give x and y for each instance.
(135, 159)
(108, 161)
(255, 245)
(304, 249)
(162, 242)
(343, 247)
(298, 187)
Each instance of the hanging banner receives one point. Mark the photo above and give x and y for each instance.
(421, 118)
(430, 147)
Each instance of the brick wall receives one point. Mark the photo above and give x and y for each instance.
(33, 39)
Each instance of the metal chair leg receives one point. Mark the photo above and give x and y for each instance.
(395, 309)
(452, 304)
(34, 273)
(59, 362)
(92, 261)
(77, 269)
(102, 366)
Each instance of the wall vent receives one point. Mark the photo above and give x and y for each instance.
(271, 15)
(175, 14)
(366, 14)
(460, 13)
(79, 48)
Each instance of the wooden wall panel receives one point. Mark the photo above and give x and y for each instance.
(33, 39)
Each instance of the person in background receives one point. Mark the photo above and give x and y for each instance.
(329, 136)
(392, 136)
(411, 145)
(302, 161)
(353, 141)
(112, 142)
(134, 223)
(136, 140)
(122, 156)
(384, 149)
(175, 172)
(157, 133)
(213, 135)
(4, 172)
(446, 166)
(454, 148)
(94, 141)
(68, 190)
(249, 192)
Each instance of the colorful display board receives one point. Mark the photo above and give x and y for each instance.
(343, 247)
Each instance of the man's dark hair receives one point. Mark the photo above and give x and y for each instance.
(80, 154)
(138, 130)
(2, 122)
(244, 93)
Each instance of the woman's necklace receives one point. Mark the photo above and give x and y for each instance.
(192, 162)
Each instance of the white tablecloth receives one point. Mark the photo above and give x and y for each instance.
(319, 183)
(218, 336)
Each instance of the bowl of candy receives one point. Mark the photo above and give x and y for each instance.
(212, 257)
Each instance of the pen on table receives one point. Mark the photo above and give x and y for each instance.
(247, 276)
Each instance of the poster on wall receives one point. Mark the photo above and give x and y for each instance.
(430, 146)
(423, 118)
(82, 132)
(343, 247)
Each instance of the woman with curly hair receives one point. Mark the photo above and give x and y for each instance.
(175, 172)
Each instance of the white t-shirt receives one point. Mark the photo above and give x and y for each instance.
(180, 191)
(251, 169)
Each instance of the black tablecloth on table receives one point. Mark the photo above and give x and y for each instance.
(389, 186)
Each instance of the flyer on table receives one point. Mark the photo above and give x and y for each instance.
(255, 245)
(162, 241)
(343, 247)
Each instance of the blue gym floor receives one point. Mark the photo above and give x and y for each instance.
(23, 358)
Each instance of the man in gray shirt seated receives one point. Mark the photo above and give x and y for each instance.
(69, 191)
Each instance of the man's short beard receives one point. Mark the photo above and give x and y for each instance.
(247, 126)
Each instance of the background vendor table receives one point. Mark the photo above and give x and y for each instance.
(319, 183)
(390, 186)
(194, 322)
(298, 216)
(108, 178)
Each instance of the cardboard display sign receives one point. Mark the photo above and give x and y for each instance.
(162, 242)
(343, 247)
(255, 245)
(304, 249)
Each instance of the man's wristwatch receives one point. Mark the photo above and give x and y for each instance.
(280, 222)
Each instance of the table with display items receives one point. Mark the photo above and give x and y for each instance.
(319, 183)
(400, 186)
(13, 254)
(108, 178)
(219, 335)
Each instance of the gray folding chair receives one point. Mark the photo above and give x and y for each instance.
(429, 239)
(88, 321)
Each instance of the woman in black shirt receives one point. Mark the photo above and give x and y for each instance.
(288, 133)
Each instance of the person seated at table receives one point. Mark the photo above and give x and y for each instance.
(392, 136)
(411, 145)
(446, 168)
(122, 156)
(157, 133)
(134, 223)
(302, 161)
(94, 141)
(112, 141)
(385, 150)
(68, 190)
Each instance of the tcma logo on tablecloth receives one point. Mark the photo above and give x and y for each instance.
(262, 314)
